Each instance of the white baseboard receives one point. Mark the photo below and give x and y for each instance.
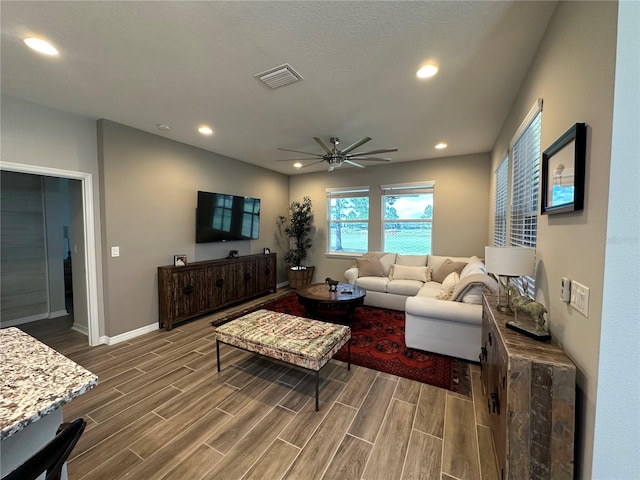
(83, 329)
(283, 284)
(59, 313)
(123, 337)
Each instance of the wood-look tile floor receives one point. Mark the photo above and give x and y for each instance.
(162, 411)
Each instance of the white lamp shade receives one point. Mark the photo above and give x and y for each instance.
(510, 261)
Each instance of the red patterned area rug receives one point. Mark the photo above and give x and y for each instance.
(378, 343)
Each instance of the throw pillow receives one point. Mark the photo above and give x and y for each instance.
(403, 272)
(369, 267)
(448, 286)
(387, 260)
(446, 268)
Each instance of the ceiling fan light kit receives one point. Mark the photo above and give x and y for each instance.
(335, 158)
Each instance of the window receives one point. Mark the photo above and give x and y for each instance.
(407, 215)
(525, 157)
(500, 222)
(348, 220)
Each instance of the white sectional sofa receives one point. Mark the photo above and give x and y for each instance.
(440, 295)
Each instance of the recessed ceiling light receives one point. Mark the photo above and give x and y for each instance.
(427, 71)
(204, 130)
(297, 165)
(164, 126)
(441, 146)
(40, 45)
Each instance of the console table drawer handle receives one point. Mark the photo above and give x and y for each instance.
(188, 290)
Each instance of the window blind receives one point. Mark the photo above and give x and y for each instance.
(525, 157)
(500, 221)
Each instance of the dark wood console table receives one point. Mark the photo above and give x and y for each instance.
(203, 287)
(530, 388)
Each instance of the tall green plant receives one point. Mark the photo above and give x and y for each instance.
(297, 228)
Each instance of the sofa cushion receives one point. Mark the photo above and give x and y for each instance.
(430, 289)
(412, 260)
(475, 265)
(369, 266)
(448, 285)
(404, 287)
(403, 272)
(376, 284)
(446, 268)
(387, 260)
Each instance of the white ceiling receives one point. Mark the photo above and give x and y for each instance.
(190, 63)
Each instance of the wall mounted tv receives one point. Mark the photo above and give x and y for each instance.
(226, 218)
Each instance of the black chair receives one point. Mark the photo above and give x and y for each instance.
(52, 456)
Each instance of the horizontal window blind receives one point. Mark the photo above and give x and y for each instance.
(525, 157)
(407, 188)
(500, 221)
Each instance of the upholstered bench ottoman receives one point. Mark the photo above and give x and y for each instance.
(303, 342)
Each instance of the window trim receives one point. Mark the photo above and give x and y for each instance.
(424, 187)
(344, 192)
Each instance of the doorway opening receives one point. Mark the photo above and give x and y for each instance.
(76, 289)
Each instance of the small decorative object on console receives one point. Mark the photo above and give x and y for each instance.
(179, 260)
(266, 250)
(529, 316)
(233, 254)
(333, 284)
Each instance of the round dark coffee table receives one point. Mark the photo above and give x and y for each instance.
(317, 297)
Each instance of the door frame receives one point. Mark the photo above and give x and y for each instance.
(91, 258)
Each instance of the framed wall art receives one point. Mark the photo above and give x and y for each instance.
(563, 172)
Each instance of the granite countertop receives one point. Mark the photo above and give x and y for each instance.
(35, 380)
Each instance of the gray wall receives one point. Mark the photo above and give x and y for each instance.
(573, 74)
(460, 216)
(39, 136)
(148, 187)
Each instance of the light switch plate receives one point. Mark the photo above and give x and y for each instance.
(115, 251)
(580, 298)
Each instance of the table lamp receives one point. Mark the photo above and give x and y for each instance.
(508, 262)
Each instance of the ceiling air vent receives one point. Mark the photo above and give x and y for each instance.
(279, 76)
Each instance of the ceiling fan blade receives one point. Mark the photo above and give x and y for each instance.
(298, 151)
(373, 152)
(298, 159)
(370, 159)
(314, 163)
(323, 145)
(355, 145)
(354, 164)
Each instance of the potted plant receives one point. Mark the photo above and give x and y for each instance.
(297, 228)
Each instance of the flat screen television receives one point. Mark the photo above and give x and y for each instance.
(226, 218)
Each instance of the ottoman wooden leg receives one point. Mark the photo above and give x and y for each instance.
(317, 390)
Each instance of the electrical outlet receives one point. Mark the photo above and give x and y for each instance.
(580, 298)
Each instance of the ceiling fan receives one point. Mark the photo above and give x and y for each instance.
(335, 158)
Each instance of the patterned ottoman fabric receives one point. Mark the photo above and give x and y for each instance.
(300, 341)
